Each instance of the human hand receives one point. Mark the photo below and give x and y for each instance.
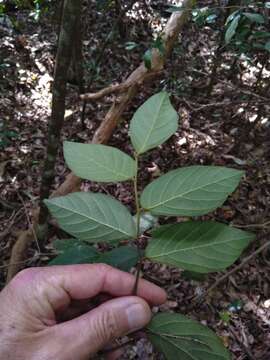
(32, 303)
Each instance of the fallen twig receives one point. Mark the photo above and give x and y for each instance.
(245, 348)
(250, 226)
(5, 233)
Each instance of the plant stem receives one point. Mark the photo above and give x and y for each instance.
(136, 194)
(138, 218)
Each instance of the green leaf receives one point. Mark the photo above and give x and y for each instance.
(211, 19)
(258, 18)
(179, 337)
(130, 45)
(258, 46)
(174, 8)
(159, 44)
(92, 217)
(123, 258)
(147, 58)
(231, 30)
(153, 123)
(76, 254)
(267, 46)
(98, 162)
(65, 244)
(261, 34)
(231, 17)
(190, 191)
(197, 246)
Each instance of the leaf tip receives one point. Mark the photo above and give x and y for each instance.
(67, 143)
(46, 201)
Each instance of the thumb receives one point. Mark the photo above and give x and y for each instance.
(90, 332)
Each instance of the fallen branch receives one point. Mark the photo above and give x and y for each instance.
(30, 225)
(101, 52)
(138, 77)
(18, 252)
(119, 88)
(142, 74)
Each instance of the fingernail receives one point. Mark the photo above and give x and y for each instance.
(138, 316)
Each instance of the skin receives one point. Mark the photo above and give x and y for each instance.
(46, 313)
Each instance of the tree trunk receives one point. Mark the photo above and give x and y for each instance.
(76, 73)
(71, 14)
(120, 12)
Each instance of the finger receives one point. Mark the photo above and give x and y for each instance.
(86, 281)
(92, 331)
(75, 309)
(110, 354)
(114, 355)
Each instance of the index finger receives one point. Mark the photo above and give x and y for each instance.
(87, 281)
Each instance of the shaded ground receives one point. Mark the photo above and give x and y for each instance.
(220, 129)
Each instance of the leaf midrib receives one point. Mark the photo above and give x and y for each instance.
(93, 219)
(190, 191)
(166, 339)
(194, 248)
(152, 127)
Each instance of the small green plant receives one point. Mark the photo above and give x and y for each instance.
(157, 44)
(196, 246)
(6, 136)
(225, 317)
(2, 7)
(246, 32)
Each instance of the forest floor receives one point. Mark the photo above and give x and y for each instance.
(221, 128)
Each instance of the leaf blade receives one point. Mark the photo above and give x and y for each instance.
(153, 123)
(196, 246)
(62, 245)
(179, 337)
(231, 30)
(98, 162)
(74, 251)
(92, 217)
(123, 257)
(76, 254)
(267, 46)
(255, 17)
(147, 59)
(188, 191)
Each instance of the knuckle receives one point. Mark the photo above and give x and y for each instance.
(103, 268)
(107, 326)
(23, 277)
